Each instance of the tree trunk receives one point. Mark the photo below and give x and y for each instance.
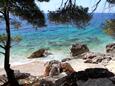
(10, 73)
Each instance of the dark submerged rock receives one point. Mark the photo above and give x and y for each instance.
(37, 54)
(78, 49)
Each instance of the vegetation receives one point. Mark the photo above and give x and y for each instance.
(70, 13)
(27, 9)
(109, 27)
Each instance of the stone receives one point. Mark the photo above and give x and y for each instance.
(66, 59)
(3, 80)
(110, 48)
(91, 57)
(90, 77)
(88, 61)
(88, 55)
(78, 49)
(38, 53)
(21, 75)
(66, 67)
(55, 70)
(45, 83)
(28, 81)
(52, 68)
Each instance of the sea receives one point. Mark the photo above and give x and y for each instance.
(56, 38)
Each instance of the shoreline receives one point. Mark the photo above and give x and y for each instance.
(55, 56)
(37, 68)
(32, 68)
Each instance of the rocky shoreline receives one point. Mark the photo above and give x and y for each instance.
(89, 69)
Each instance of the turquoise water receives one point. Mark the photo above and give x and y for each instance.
(58, 39)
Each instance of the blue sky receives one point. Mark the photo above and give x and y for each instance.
(54, 4)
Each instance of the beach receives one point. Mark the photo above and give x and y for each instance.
(37, 68)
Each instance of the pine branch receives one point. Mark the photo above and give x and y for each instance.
(2, 53)
(1, 12)
(96, 5)
(2, 46)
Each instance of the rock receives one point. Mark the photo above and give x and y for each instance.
(88, 61)
(66, 67)
(90, 77)
(55, 70)
(66, 59)
(110, 48)
(88, 55)
(91, 57)
(78, 49)
(45, 83)
(19, 75)
(52, 68)
(38, 53)
(3, 80)
(96, 82)
(29, 81)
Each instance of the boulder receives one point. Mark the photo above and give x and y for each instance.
(66, 67)
(78, 49)
(19, 75)
(90, 77)
(24, 79)
(91, 57)
(52, 68)
(38, 53)
(110, 48)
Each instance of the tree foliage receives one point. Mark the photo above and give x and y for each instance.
(70, 13)
(111, 1)
(109, 27)
(27, 10)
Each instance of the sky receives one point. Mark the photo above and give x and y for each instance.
(103, 7)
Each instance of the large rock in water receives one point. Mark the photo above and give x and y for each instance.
(38, 53)
(78, 49)
(110, 48)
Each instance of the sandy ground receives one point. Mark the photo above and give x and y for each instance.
(37, 68)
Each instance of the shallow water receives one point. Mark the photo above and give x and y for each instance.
(58, 39)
